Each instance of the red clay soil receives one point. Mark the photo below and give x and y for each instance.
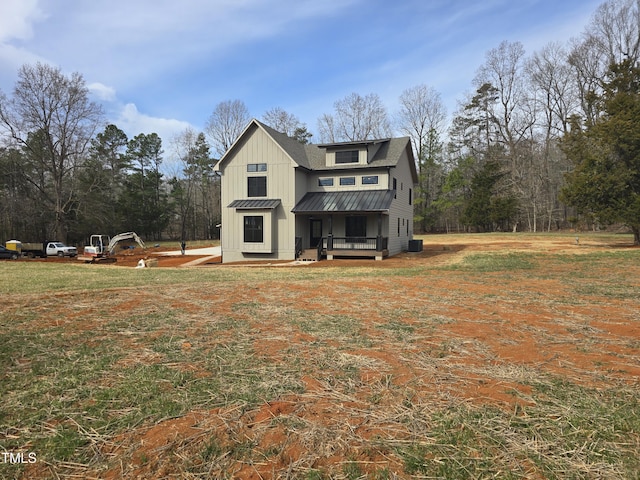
(489, 338)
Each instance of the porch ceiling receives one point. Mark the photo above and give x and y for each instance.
(363, 201)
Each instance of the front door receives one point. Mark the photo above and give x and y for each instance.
(315, 232)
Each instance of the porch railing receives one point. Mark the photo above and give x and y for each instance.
(354, 243)
(298, 246)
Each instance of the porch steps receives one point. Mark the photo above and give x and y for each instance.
(309, 255)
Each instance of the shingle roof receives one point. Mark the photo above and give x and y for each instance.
(345, 202)
(313, 156)
(253, 204)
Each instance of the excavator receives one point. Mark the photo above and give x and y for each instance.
(101, 248)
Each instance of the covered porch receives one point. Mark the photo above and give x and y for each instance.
(343, 224)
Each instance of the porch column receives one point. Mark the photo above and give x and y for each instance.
(330, 239)
(379, 237)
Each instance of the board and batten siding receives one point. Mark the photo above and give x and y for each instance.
(382, 174)
(258, 147)
(401, 210)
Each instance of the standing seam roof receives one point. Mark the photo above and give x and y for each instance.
(345, 202)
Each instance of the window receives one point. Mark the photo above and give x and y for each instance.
(355, 226)
(370, 180)
(395, 187)
(253, 232)
(257, 186)
(349, 156)
(257, 167)
(325, 182)
(410, 196)
(347, 180)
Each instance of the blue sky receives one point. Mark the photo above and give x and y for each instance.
(163, 65)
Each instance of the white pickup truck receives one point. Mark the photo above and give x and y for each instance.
(47, 249)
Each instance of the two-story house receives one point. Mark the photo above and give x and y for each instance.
(282, 199)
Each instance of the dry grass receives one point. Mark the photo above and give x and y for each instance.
(492, 360)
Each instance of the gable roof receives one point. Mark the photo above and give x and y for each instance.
(313, 156)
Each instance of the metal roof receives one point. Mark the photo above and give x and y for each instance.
(253, 204)
(345, 202)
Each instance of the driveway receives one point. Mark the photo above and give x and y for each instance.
(209, 251)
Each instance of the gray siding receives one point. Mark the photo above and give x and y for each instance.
(401, 211)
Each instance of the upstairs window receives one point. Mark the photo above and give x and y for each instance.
(370, 180)
(256, 167)
(257, 186)
(347, 180)
(348, 156)
(325, 182)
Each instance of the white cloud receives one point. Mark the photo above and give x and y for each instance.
(16, 23)
(133, 122)
(17, 17)
(102, 91)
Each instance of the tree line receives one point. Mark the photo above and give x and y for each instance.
(544, 141)
(534, 146)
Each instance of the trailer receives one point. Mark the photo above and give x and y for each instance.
(49, 248)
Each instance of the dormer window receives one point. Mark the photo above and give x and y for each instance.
(348, 156)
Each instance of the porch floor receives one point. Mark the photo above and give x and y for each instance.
(356, 253)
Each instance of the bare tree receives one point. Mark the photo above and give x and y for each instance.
(556, 100)
(282, 121)
(503, 71)
(356, 118)
(612, 36)
(513, 118)
(327, 128)
(226, 123)
(421, 117)
(421, 111)
(51, 118)
(287, 123)
(615, 29)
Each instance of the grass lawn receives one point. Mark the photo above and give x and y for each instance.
(506, 356)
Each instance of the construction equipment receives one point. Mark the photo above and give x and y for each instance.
(101, 248)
